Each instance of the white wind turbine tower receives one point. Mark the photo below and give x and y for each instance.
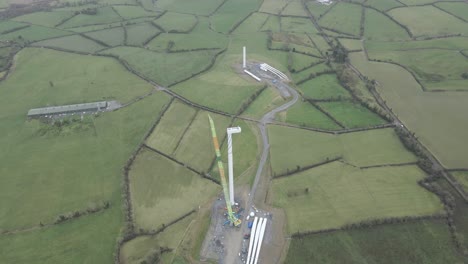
(230, 131)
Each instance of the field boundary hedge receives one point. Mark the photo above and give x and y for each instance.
(299, 169)
(389, 165)
(197, 110)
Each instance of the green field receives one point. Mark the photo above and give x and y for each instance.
(421, 242)
(324, 87)
(382, 146)
(195, 147)
(305, 114)
(155, 204)
(425, 21)
(171, 128)
(129, 12)
(302, 75)
(317, 9)
(73, 43)
(200, 7)
(352, 115)
(231, 13)
(200, 38)
(162, 67)
(297, 24)
(266, 101)
(462, 178)
(273, 6)
(351, 44)
(136, 250)
(380, 27)
(112, 37)
(78, 162)
(33, 33)
(272, 24)
(459, 9)
(337, 194)
(47, 19)
(294, 8)
(138, 34)
(301, 62)
(104, 15)
(343, 17)
(253, 23)
(427, 114)
(383, 5)
(176, 22)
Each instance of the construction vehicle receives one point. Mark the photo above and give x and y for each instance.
(230, 214)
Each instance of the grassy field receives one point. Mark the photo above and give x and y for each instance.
(305, 114)
(253, 23)
(382, 147)
(154, 203)
(458, 9)
(380, 27)
(421, 242)
(176, 22)
(129, 12)
(266, 101)
(231, 13)
(171, 128)
(73, 43)
(301, 62)
(426, 21)
(68, 167)
(351, 44)
(136, 250)
(320, 42)
(343, 17)
(196, 146)
(10, 25)
(138, 34)
(337, 194)
(47, 19)
(352, 115)
(324, 87)
(298, 25)
(383, 5)
(200, 38)
(202, 7)
(427, 114)
(104, 15)
(273, 7)
(89, 239)
(112, 37)
(163, 68)
(295, 8)
(302, 75)
(33, 33)
(462, 178)
(317, 9)
(272, 24)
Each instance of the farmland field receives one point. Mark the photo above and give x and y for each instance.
(425, 21)
(104, 15)
(343, 17)
(337, 194)
(171, 128)
(382, 147)
(445, 110)
(111, 37)
(181, 192)
(323, 87)
(457, 9)
(304, 114)
(352, 115)
(73, 43)
(267, 100)
(462, 178)
(138, 34)
(373, 27)
(420, 242)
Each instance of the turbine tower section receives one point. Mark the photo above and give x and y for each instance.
(230, 131)
(244, 61)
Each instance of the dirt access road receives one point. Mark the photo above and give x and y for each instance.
(232, 257)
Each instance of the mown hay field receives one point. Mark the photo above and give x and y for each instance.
(337, 194)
